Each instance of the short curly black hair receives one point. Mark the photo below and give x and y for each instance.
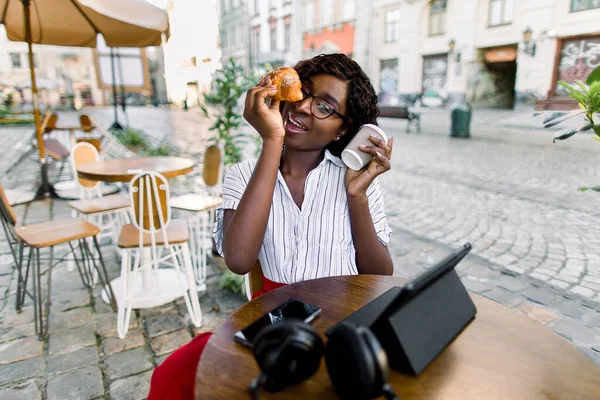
(362, 105)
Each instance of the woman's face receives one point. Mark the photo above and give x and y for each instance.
(304, 131)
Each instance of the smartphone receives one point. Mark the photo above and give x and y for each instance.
(291, 309)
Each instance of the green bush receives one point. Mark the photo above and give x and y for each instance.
(15, 121)
(231, 83)
(9, 100)
(232, 282)
(160, 150)
(131, 137)
(587, 96)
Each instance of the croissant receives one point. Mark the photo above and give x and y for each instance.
(287, 81)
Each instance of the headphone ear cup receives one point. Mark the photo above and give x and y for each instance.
(382, 370)
(353, 357)
(288, 353)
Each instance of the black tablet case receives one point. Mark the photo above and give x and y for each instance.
(415, 333)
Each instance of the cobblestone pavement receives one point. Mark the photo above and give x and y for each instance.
(507, 190)
(83, 358)
(514, 197)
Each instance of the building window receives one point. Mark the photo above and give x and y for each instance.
(388, 81)
(273, 38)
(326, 12)
(309, 15)
(582, 5)
(256, 7)
(272, 5)
(256, 40)
(15, 60)
(348, 10)
(501, 12)
(437, 17)
(287, 33)
(224, 39)
(392, 25)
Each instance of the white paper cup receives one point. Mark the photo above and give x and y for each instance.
(352, 156)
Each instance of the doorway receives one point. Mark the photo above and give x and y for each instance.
(494, 83)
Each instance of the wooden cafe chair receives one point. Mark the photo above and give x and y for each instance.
(52, 147)
(110, 212)
(254, 280)
(201, 207)
(46, 235)
(153, 229)
(85, 125)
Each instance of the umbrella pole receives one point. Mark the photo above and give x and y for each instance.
(46, 189)
(116, 125)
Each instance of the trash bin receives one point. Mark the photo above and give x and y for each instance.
(461, 121)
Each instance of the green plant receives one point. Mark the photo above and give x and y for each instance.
(232, 282)
(588, 99)
(230, 84)
(9, 100)
(161, 150)
(15, 121)
(587, 96)
(131, 137)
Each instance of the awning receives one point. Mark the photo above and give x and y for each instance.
(501, 54)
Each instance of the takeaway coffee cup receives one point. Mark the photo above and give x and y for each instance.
(352, 156)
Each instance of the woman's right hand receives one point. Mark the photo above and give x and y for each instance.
(265, 118)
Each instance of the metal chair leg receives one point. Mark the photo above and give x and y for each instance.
(39, 323)
(77, 264)
(103, 274)
(35, 292)
(18, 298)
(48, 295)
(86, 261)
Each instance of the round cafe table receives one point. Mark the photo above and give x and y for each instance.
(123, 170)
(500, 355)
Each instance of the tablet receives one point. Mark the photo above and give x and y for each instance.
(383, 306)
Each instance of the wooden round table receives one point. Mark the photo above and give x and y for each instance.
(501, 355)
(123, 170)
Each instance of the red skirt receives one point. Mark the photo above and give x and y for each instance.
(175, 378)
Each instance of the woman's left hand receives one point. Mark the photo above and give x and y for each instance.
(357, 182)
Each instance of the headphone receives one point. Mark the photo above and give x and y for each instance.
(289, 352)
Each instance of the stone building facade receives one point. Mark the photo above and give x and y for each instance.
(493, 53)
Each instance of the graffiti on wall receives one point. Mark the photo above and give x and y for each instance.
(388, 82)
(434, 77)
(578, 58)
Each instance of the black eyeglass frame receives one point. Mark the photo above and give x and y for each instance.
(309, 94)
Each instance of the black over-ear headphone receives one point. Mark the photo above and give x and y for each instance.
(290, 352)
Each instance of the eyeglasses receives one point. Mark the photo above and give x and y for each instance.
(319, 107)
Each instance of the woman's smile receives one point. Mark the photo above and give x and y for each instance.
(294, 125)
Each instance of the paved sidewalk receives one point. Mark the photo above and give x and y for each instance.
(508, 190)
(83, 358)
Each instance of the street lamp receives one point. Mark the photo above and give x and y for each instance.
(529, 45)
(455, 55)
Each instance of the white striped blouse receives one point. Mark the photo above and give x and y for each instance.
(311, 242)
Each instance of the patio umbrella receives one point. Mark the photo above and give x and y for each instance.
(77, 23)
